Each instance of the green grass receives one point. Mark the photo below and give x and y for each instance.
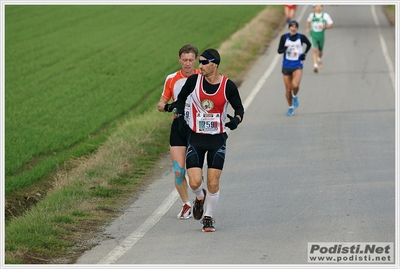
(391, 7)
(74, 71)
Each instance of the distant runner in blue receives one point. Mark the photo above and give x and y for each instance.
(291, 46)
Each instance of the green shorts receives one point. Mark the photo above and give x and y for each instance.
(318, 42)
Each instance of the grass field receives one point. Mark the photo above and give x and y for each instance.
(73, 71)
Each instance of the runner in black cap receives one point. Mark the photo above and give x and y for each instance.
(210, 92)
(291, 45)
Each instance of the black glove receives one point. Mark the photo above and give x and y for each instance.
(170, 107)
(234, 122)
(183, 126)
(302, 57)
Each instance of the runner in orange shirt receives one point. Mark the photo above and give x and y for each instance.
(187, 57)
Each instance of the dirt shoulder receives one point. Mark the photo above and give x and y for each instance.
(390, 13)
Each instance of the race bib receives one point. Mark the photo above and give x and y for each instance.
(317, 26)
(292, 53)
(208, 123)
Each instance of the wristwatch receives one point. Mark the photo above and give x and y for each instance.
(176, 113)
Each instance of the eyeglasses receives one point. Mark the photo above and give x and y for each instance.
(206, 61)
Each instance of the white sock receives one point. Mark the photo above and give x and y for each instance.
(315, 65)
(188, 203)
(211, 202)
(199, 192)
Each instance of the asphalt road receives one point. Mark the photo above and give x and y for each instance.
(326, 174)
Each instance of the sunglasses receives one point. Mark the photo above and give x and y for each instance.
(207, 61)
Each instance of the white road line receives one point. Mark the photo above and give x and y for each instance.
(261, 82)
(132, 239)
(152, 220)
(384, 48)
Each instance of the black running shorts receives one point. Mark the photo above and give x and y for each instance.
(175, 137)
(200, 144)
(289, 71)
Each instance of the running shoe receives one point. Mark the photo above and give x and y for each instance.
(208, 224)
(295, 102)
(290, 111)
(315, 69)
(198, 207)
(185, 212)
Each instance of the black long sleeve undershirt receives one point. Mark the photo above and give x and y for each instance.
(303, 38)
